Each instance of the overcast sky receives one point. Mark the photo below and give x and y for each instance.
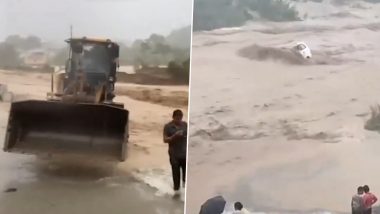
(116, 19)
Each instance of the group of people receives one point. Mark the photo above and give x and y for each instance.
(361, 203)
(217, 205)
(363, 200)
(175, 135)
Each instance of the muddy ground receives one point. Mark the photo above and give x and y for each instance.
(280, 134)
(142, 184)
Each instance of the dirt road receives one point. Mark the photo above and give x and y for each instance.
(279, 134)
(142, 184)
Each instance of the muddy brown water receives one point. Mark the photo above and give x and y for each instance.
(278, 135)
(43, 186)
(34, 185)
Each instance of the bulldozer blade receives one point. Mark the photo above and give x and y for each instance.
(58, 128)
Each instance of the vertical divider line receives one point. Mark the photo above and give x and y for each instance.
(188, 106)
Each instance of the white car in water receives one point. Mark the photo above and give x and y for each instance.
(303, 50)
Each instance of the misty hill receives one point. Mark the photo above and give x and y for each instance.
(180, 38)
(24, 43)
(172, 50)
(213, 14)
(158, 49)
(154, 50)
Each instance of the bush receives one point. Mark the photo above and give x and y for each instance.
(179, 71)
(373, 124)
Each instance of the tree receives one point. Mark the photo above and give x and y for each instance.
(180, 71)
(162, 48)
(14, 40)
(28, 43)
(8, 55)
(32, 42)
(155, 39)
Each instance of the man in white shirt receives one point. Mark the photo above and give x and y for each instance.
(357, 202)
(239, 209)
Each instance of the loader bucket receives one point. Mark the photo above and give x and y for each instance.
(57, 128)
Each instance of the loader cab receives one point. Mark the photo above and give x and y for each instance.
(97, 58)
(93, 56)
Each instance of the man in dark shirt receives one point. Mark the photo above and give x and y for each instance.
(175, 134)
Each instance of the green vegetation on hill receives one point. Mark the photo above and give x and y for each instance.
(153, 51)
(157, 49)
(338, 2)
(373, 1)
(172, 50)
(213, 14)
(180, 38)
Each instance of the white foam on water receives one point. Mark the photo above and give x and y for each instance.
(230, 210)
(229, 28)
(322, 212)
(353, 133)
(159, 179)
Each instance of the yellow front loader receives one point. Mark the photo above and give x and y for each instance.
(79, 116)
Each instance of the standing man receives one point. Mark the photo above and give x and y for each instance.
(369, 199)
(175, 134)
(357, 202)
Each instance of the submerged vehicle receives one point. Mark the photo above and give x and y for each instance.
(302, 50)
(79, 116)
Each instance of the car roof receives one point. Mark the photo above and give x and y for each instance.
(301, 43)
